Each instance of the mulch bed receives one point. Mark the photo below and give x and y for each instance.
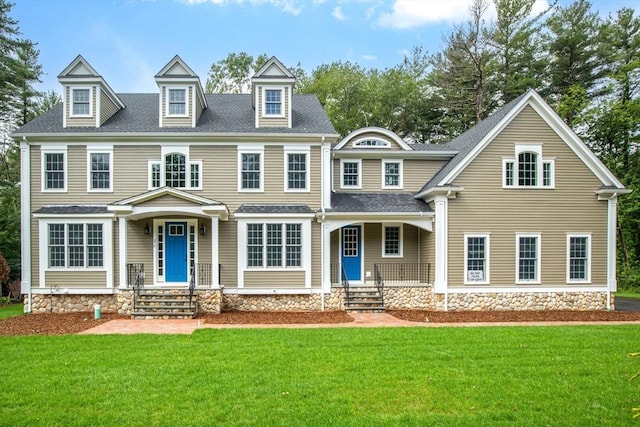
(72, 323)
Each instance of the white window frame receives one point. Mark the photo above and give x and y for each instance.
(99, 150)
(364, 143)
(487, 258)
(588, 266)
(251, 150)
(264, 101)
(186, 101)
(351, 187)
(400, 174)
(71, 102)
(175, 149)
(53, 150)
(531, 148)
(537, 279)
(299, 150)
(200, 174)
(400, 253)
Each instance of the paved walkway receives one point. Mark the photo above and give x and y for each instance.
(361, 320)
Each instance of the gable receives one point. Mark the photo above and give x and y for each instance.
(168, 200)
(80, 69)
(177, 70)
(372, 138)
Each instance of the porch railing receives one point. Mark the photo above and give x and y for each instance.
(135, 275)
(404, 272)
(192, 283)
(379, 282)
(345, 283)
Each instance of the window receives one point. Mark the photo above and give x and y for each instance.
(273, 102)
(75, 245)
(250, 171)
(274, 245)
(174, 173)
(528, 260)
(351, 173)
(99, 171)
(296, 171)
(81, 102)
(54, 171)
(528, 169)
(578, 257)
(392, 245)
(476, 259)
(177, 100)
(371, 143)
(392, 174)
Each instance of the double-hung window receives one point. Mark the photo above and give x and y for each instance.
(274, 245)
(99, 169)
(297, 174)
(528, 169)
(476, 259)
(350, 173)
(75, 245)
(177, 102)
(528, 259)
(250, 167)
(578, 258)
(81, 102)
(392, 174)
(54, 170)
(273, 102)
(392, 245)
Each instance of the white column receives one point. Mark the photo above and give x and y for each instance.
(122, 250)
(440, 284)
(326, 257)
(326, 177)
(25, 217)
(215, 247)
(612, 283)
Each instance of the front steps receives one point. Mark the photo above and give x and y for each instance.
(164, 304)
(364, 299)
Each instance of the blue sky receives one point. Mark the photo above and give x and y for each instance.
(129, 41)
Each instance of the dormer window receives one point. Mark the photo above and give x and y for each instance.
(273, 102)
(371, 143)
(177, 101)
(81, 102)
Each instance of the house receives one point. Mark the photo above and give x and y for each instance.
(253, 202)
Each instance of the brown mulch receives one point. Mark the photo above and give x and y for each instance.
(71, 323)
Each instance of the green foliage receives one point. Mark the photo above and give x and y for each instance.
(10, 310)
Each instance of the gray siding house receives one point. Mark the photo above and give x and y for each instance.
(252, 202)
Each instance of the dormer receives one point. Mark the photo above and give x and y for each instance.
(87, 98)
(272, 90)
(181, 97)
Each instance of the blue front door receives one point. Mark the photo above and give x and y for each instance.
(352, 252)
(176, 251)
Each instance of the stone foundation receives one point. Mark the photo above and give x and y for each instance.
(409, 298)
(209, 301)
(65, 303)
(308, 302)
(579, 301)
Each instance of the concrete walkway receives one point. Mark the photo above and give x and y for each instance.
(361, 320)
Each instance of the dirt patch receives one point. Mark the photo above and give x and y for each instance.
(52, 324)
(514, 316)
(280, 317)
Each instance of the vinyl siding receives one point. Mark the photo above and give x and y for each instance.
(274, 121)
(316, 254)
(107, 107)
(76, 279)
(89, 121)
(228, 255)
(140, 247)
(373, 241)
(485, 207)
(273, 279)
(167, 200)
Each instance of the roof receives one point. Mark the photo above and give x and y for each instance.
(72, 209)
(377, 202)
(227, 113)
(273, 209)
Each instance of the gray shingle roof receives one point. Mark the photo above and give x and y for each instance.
(72, 209)
(377, 202)
(464, 143)
(227, 113)
(277, 209)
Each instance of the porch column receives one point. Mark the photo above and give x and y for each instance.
(440, 284)
(122, 250)
(612, 283)
(325, 244)
(215, 259)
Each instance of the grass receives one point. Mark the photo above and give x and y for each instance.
(322, 377)
(10, 310)
(629, 294)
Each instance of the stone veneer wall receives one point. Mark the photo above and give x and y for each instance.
(65, 303)
(409, 297)
(308, 302)
(209, 301)
(578, 301)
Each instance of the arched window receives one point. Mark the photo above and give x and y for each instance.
(527, 169)
(371, 143)
(175, 170)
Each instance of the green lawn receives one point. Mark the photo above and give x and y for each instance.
(573, 376)
(10, 310)
(628, 294)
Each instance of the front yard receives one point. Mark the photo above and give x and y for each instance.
(561, 375)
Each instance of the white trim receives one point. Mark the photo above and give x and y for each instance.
(302, 149)
(91, 106)
(589, 261)
(272, 291)
(122, 251)
(57, 290)
(441, 255)
(612, 208)
(524, 289)
(325, 245)
(191, 222)
(150, 164)
(360, 250)
(373, 129)
(200, 174)
(57, 149)
(99, 149)
(358, 186)
(487, 258)
(250, 149)
(400, 174)
(194, 102)
(540, 162)
(98, 106)
(400, 242)
(326, 180)
(264, 101)
(538, 278)
(187, 107)
(358, 143)
(215, 251)
(25, 220)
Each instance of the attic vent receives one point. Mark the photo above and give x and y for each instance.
(371, 143)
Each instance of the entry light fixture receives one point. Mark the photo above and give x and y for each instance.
(147, 229)
(203, 229)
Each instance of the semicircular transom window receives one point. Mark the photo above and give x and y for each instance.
(371, 143)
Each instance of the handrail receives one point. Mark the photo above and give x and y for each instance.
(135, 279)
(379, 282)
(345, 282)
(192, 284)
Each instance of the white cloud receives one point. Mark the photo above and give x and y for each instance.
(337, 13)
(406, 14)
(368, 57)
(292, 7)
